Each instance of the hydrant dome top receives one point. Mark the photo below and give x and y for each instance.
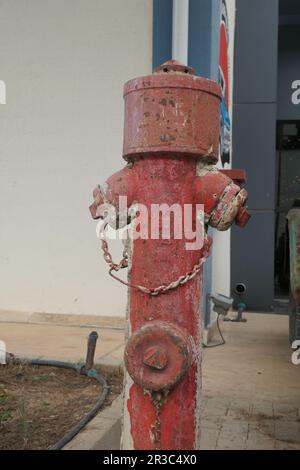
(172, 112)
(173, 74)
(174, 66)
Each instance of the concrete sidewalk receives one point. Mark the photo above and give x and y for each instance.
(251, 390)
(62, 342)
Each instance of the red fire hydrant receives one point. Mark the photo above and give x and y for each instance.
(171, 143)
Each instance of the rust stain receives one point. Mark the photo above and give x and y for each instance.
(167, 137)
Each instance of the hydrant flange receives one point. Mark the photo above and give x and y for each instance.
(158, 355)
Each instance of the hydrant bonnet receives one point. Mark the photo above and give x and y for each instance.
(174, 111)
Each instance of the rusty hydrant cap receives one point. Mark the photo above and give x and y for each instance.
(158, 355)
(174, 66)
(172, 111)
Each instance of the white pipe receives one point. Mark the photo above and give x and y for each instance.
(180, 34)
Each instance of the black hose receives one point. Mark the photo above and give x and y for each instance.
(81, 370)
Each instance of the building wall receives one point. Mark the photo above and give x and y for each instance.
(221, 245)
(203, 56)
(254, 147)
(64, 64)
(203, 30)
(289, 72)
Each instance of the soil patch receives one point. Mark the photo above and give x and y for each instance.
(39, 404)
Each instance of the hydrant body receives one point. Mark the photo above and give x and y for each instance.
(171, 141)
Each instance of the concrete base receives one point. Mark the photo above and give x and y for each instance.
(62, 342)
(209, 333)
(103, 432)
(64, 319)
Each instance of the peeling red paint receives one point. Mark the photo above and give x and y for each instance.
(171, 111)
(172, 349)
(184, 110)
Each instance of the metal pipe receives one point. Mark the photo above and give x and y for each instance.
(90, 355)
(180, 34)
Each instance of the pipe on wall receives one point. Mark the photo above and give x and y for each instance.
(180, 32)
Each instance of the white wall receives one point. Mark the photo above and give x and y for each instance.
(64, 63)
(221, 244)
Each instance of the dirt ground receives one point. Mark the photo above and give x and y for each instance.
(39, 404)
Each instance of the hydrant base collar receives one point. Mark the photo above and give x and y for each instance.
(190, 82)
(197, 153)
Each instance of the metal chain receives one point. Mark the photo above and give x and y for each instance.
(156, 290)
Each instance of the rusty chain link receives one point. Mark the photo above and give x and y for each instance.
(156, 290)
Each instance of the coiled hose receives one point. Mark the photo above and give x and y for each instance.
(81, 369)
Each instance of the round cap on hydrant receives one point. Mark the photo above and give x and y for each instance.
(172, 111)
(174, 66)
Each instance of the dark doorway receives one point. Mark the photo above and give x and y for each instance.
(288, 190)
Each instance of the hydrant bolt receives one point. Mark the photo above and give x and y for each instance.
(156, 358)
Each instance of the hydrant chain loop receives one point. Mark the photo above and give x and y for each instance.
(157, 290)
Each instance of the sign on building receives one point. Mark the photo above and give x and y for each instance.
(226, 76)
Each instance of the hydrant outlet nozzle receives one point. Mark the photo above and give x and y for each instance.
(242, 217)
